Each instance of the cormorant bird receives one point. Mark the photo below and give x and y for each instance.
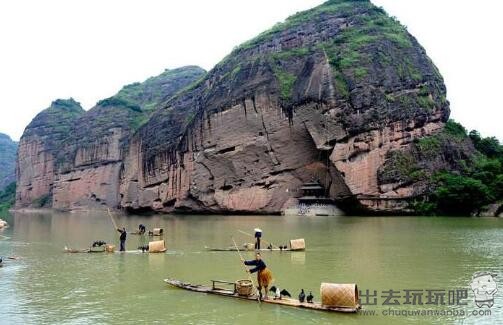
(143, 248)
(310, 297)
(279, 294)
(302, 295)
(284, 293)
(99, 243)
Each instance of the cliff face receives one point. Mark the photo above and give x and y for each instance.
(81, 166)
(341, 93)
(38, 148)
(8, 150)
(330, 93)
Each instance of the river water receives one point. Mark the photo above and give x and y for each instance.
(378, 254)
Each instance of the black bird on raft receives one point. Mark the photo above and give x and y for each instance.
(302, 295)
(99, 243)
(310, 297)
(284, 293)
(269, 247)
(143, 248)
(278, 294)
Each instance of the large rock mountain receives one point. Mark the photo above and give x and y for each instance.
(328, 94)
(70, 158)
(8, 150)
(38, 148)
(338, 93)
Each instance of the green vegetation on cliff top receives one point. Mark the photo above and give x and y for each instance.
(143, 98)
(466, 191)
(312, 15)
(149, 94)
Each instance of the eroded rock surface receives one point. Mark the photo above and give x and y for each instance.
(70, 161)
(38, 148)
(337, 93)
(326, 94)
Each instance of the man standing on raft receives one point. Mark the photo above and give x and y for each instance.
(122, 239)
(258, 235)
(264, 275)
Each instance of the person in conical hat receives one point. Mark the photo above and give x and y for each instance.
(264, 275)
(258, 235)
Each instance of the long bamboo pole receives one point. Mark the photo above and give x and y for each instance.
(112, 218)
(265, 241)
(246, 269)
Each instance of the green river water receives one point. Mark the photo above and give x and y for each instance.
(50, 286)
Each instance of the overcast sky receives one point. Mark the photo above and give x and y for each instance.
(89, 49)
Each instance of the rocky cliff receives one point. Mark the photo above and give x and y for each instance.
(70, 158)
(38, 148)
(8, 150)
(341, 93)
(330, 94)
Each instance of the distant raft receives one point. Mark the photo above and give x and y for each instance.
(233, 249)
(296, 245)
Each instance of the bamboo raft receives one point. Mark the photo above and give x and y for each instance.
(232, 294)
(244, 249)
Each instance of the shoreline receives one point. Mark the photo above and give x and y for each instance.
(237, 214)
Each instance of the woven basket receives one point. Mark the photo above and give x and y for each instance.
(297, 244)
(110, 248)
(248, 246)
(339, 295)
(157, 231)
(244, 287)
(156, 246)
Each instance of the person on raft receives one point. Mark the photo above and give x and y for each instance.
(142, 241)
(258, 235)
(122, 239)
(264, 275)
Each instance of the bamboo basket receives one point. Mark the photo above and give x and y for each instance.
(110, 248)
(249, 246)
(157, 231)
(339, 295)
(297, 244)
(244, 287)
(157, 246)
